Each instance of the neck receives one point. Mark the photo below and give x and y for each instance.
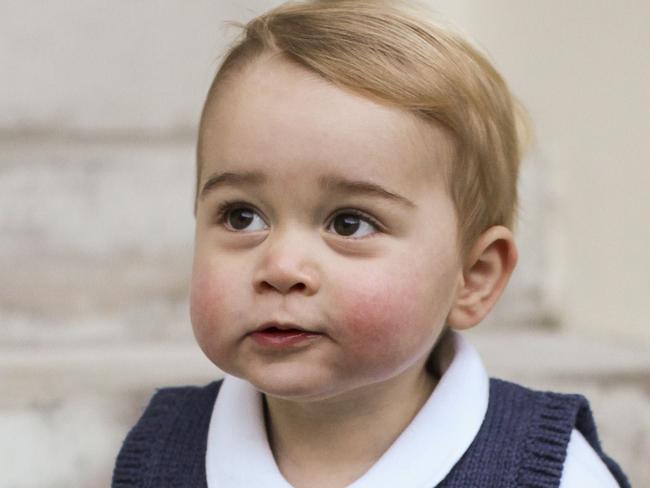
(350, 431)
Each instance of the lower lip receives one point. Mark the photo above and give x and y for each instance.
(283, 338)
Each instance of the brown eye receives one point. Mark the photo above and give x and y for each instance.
(348, 224)
(242, 219)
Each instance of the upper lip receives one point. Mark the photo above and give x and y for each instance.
(282, 326)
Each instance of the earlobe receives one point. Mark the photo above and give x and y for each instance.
(488, 268)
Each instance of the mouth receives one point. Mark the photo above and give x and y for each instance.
(282, 335)
(273, 327)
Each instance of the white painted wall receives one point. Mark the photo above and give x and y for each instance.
(582, 69)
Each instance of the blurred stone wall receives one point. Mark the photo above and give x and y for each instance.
(99, 104)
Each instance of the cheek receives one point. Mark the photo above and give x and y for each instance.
(387, 319)
(373, 308)
(212, 302)
(204, 292)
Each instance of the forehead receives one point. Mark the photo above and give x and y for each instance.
(280, 118)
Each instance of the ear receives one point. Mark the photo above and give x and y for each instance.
(486, 272)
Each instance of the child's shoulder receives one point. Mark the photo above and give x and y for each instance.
(169, 437)
(178, 396)
(515, 400)
(527, 432)
(539, 421)
(548, 417)
(171, 405)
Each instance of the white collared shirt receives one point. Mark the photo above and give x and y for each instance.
(238, 454)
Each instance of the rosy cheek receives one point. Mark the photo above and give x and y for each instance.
(377, 318)
(211, 311)
(198, 297)
(208, 294)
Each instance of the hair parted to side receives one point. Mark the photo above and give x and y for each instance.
(394, 52)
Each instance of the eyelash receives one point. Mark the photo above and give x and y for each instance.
(228, 205)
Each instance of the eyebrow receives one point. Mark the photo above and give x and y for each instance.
(232, 179)
(363, 187)
(336, 183)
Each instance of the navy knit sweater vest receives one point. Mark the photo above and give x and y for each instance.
(521, 443)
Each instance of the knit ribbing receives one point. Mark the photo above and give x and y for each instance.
(548, 437)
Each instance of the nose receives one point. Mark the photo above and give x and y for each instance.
(287, 266)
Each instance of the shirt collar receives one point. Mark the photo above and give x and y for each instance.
(238, 452)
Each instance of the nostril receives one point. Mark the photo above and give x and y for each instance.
(264, 286)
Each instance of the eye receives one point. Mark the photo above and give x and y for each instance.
(352, 224)
(240, 218)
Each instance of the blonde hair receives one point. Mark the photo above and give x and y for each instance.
(393, 52)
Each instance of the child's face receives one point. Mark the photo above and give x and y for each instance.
(311, 236)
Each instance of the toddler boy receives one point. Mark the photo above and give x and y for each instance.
(356, 195)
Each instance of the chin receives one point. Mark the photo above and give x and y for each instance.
(297, 387)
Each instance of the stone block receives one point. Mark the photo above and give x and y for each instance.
(91, 66)
(60, 444)
(98, 241)
(70, 407)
